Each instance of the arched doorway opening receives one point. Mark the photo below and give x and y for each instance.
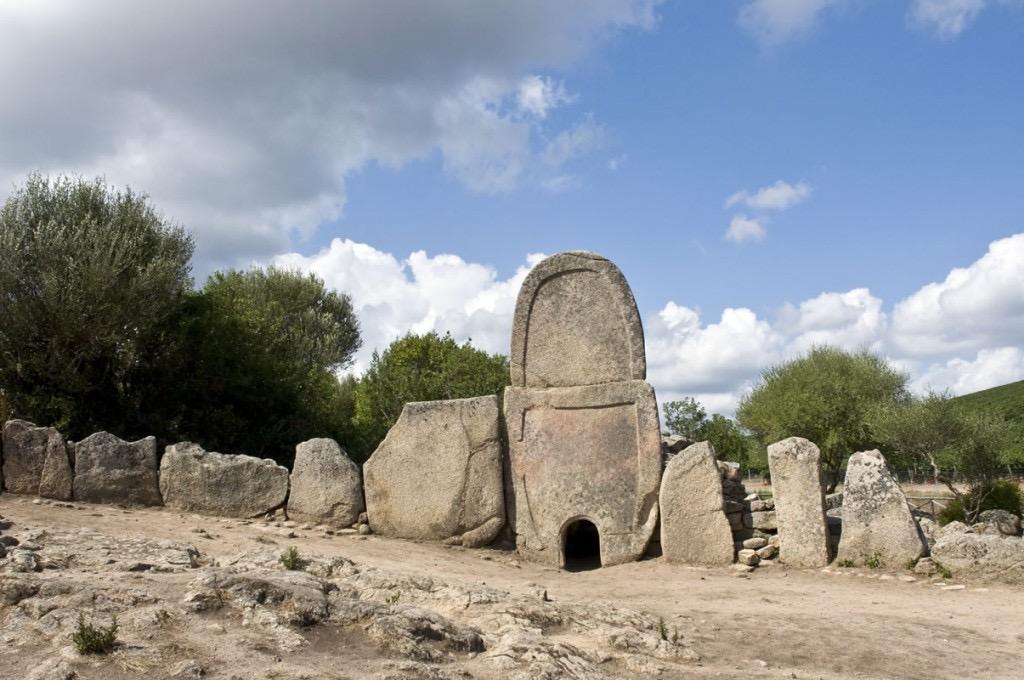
(581, 547)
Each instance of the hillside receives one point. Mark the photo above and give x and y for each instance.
(1005, 399)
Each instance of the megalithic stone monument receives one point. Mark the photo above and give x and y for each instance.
(582, 423)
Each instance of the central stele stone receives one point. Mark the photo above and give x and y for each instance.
(584, 442)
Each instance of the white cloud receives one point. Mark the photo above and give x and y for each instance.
(945, 18)
(989, 368)
(974, 307)
(417, 294)
(243, 119)
(581, 139)
(716, 361)
(779, 196)
(537, 95)
(742, 229)
(774, 22)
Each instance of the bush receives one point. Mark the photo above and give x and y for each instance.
(292, 560)
(1003, 494)
(90, 639)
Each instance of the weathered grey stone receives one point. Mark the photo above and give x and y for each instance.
(795, 466)
(877, 523)
(694, 529)
(755, 543)
(437, 474)
(986, 557)
(584, 453)
(576, 323)
(1006, 523)
(673, 443)
(109, 469)
(211, 483)
(56, 477)
(325, 485)
(26, 450)
(764, 520)
(748, 557)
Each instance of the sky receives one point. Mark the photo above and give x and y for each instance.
(770, 175)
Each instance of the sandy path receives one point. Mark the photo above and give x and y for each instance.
(776, 623)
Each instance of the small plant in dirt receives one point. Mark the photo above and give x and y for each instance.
(662, 631)
(873, 561)
(393, 598)
(846, 564)
(90, 639)
(292, 560)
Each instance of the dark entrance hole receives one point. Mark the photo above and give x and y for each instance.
(582, 546)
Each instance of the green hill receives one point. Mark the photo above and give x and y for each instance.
(1005, 399)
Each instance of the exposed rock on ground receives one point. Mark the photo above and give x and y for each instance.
(28, 451)
(211, 483)
(989, 556)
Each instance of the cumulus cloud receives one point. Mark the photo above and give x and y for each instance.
(716, 360)
(242, 119)
(417, 294)
(742, 229)
(774, 22)
(779, 196)
(978, 306)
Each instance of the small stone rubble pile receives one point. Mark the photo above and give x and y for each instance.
(751, 518)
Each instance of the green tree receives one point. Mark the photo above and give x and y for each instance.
(420, 368)
(89, 277)
(826, 396)
(257, 372)
(918, 431)
(684, 417)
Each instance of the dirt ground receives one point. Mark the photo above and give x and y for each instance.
(773, 623)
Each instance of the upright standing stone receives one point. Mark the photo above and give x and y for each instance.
(110, 470)
(584, 441)
(694, 529)
(212, 483)
(795, 467)
(877, 523)
(27, 449)
(325, 485)
(56, 477)
(437, 474)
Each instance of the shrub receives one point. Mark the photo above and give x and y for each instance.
(90, 639)
(1002, 494)
(292, 560)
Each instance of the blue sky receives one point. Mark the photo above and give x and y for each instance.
(767, 173)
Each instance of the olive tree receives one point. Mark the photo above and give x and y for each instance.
(89, 275)
(825, 396)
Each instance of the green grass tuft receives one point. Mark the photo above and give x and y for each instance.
(90, 639)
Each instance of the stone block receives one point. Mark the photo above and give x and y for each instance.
(795, 466)
(109, 469)
(325, 485)
(694, 529)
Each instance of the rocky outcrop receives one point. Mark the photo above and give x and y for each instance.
(980, 556)
(437, 474)
(211, 483)
(694, 529)
(795, 466)
(109, 469)
(35, 460)
(325, 485)
(876, 520)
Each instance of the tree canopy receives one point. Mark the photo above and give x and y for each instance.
(420, 368)
(688, 418)
(826, 396)
(88, 277)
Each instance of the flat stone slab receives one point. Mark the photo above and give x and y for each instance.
(326, 487)
(795, 467)
(35, 461)
(590, 452)
(694, 529)
(109, 469)
(437, 474)
(981, 556)
(211, 483)
(576, 323)
(877, 523)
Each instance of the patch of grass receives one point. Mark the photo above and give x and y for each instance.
(943, 571)
(873, 561)
(393, 598)
(292, 560)
(90, 639)
(846, 564)
(662, 631)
